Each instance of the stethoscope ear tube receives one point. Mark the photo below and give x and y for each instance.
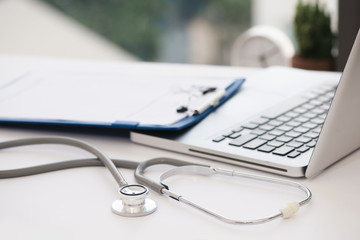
(288, 211)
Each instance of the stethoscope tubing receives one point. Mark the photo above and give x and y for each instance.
(154, 185)
(70, 142)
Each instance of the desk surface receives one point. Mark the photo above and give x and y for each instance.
(75, 203)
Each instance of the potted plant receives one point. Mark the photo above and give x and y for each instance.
(312, 25)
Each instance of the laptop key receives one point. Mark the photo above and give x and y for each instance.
(282, 151)
(311, 135)
(268, 137)
(293, 134)
(311, 144)
(237, 129)
(285, 128)
(258, 132)
(307, 106)
(283, 118)
(293, 154)
(301, 129)
(242, 140)
(315, 102)
(302, 149)
(310, 115)
(292, 114)
(301, 119)
(275, 123)
(218, 139)
(284, 139)
(275, 143)
(303, 139)
(318, 111)
(293, 123)
(276, 132)
(254, 144)
(317, 120)
(227, 133)
(317, 130)
(300, 110)
(266, 127)
(250, 125)
(235, 135)
(266, 148)
(294, 144)
(310, 125)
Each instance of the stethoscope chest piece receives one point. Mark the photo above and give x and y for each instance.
(133, 202)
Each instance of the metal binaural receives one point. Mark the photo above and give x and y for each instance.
(201, 170)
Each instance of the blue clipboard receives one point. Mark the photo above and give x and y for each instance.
(187, 119)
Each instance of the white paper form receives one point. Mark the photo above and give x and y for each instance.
(102, 97)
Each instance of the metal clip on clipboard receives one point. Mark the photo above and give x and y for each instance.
(201, 99)
(210, 101)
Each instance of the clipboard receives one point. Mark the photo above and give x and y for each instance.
(134, 101)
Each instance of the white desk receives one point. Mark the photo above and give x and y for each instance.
(75, 203)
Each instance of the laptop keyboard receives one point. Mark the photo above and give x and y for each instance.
(289, 130)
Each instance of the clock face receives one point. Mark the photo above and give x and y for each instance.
(259, 52)
(262, 46)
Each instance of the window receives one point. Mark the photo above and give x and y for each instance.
(178, 31)
(182, 31)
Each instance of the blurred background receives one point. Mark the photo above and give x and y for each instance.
(175, 31)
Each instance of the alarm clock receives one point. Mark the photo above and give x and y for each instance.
(262, 46)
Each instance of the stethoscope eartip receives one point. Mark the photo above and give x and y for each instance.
(133, 202)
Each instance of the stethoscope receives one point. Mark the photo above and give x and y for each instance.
(133, 200)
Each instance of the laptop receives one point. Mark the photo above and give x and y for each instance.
(286, 121)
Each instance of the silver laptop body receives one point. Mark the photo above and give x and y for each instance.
(275, 95)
